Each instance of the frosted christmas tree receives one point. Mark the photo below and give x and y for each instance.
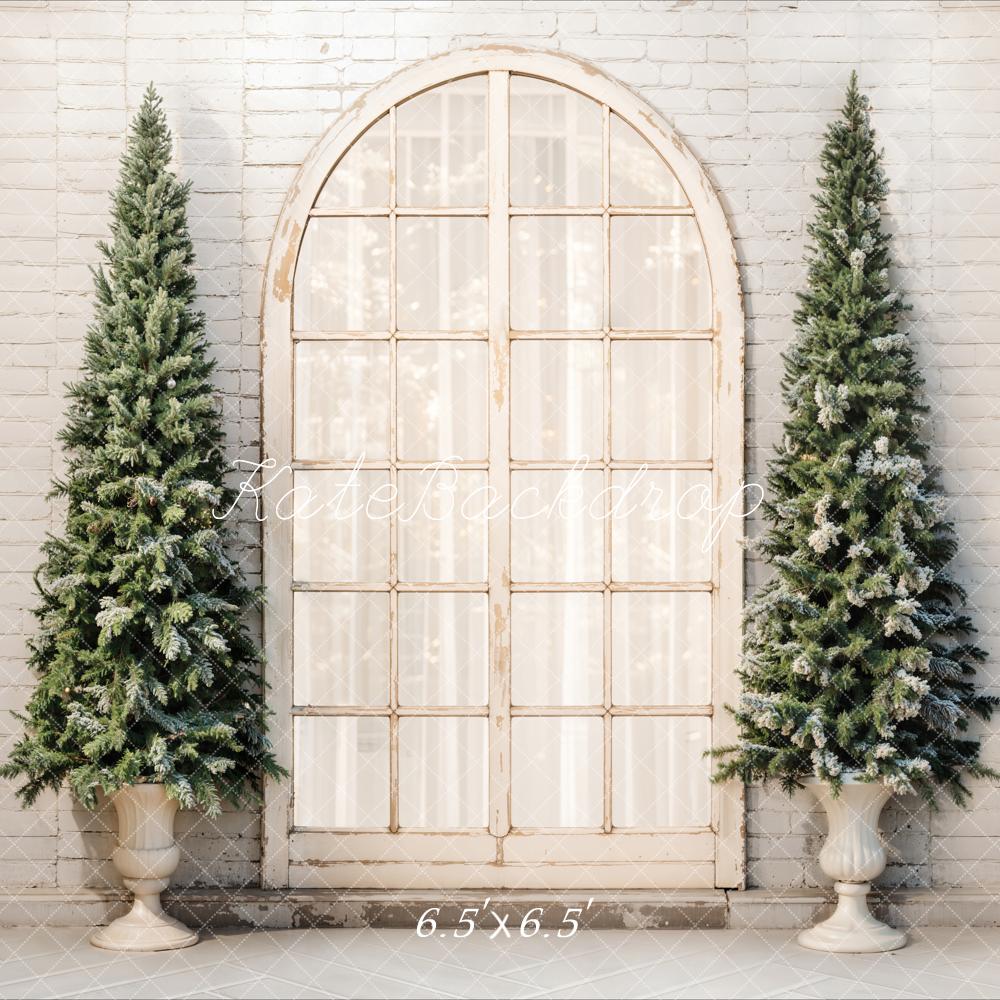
(147, 670)
(857, 656)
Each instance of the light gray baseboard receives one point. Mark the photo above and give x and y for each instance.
(757, 909)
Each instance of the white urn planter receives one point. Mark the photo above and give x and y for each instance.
(853, 855)
(146, 857)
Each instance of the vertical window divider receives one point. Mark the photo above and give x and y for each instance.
(498, 143)
(606, 326)
(394, 493)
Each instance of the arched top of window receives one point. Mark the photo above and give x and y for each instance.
(556, 154)
(582, 188)
(577, 141)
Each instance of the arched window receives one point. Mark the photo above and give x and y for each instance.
(503, 402)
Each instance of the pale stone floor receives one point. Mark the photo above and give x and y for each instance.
(58, 962)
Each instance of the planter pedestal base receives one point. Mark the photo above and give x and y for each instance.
(852, 856)
(852, 928)
(146, 856)
(145, 927)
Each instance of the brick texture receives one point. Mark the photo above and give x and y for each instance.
(250, 86)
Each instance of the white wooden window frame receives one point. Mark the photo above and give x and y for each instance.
(696, 858)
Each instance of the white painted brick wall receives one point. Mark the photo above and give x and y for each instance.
(250, 87)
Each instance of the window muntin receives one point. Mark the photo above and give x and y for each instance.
(638, 174)
(441, 146)
(342, 279)
(556, 272)
(344, 638)
(442, 388)
(440, 273)
(361, 179)
(341, 400)
(555, 145)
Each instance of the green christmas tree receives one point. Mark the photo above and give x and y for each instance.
(857, 657)
(147, 670)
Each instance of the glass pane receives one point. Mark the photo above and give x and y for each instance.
(557, 409)
(661, 649)
(638, 174)
(361, 178)
(556, 273)
(342, 276)
(660, 777)
(443, 777)
(557, 774)
(441, 146)
(661, 526)
(342, 399)
(557, 526)
(443, 649)
(661, 399)
(659, 275)
(341, 653)
(555, 145)
(441, 274)
(557, 649)
(442, 526)
(442, 392)
(341, 532)
(342, 772)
